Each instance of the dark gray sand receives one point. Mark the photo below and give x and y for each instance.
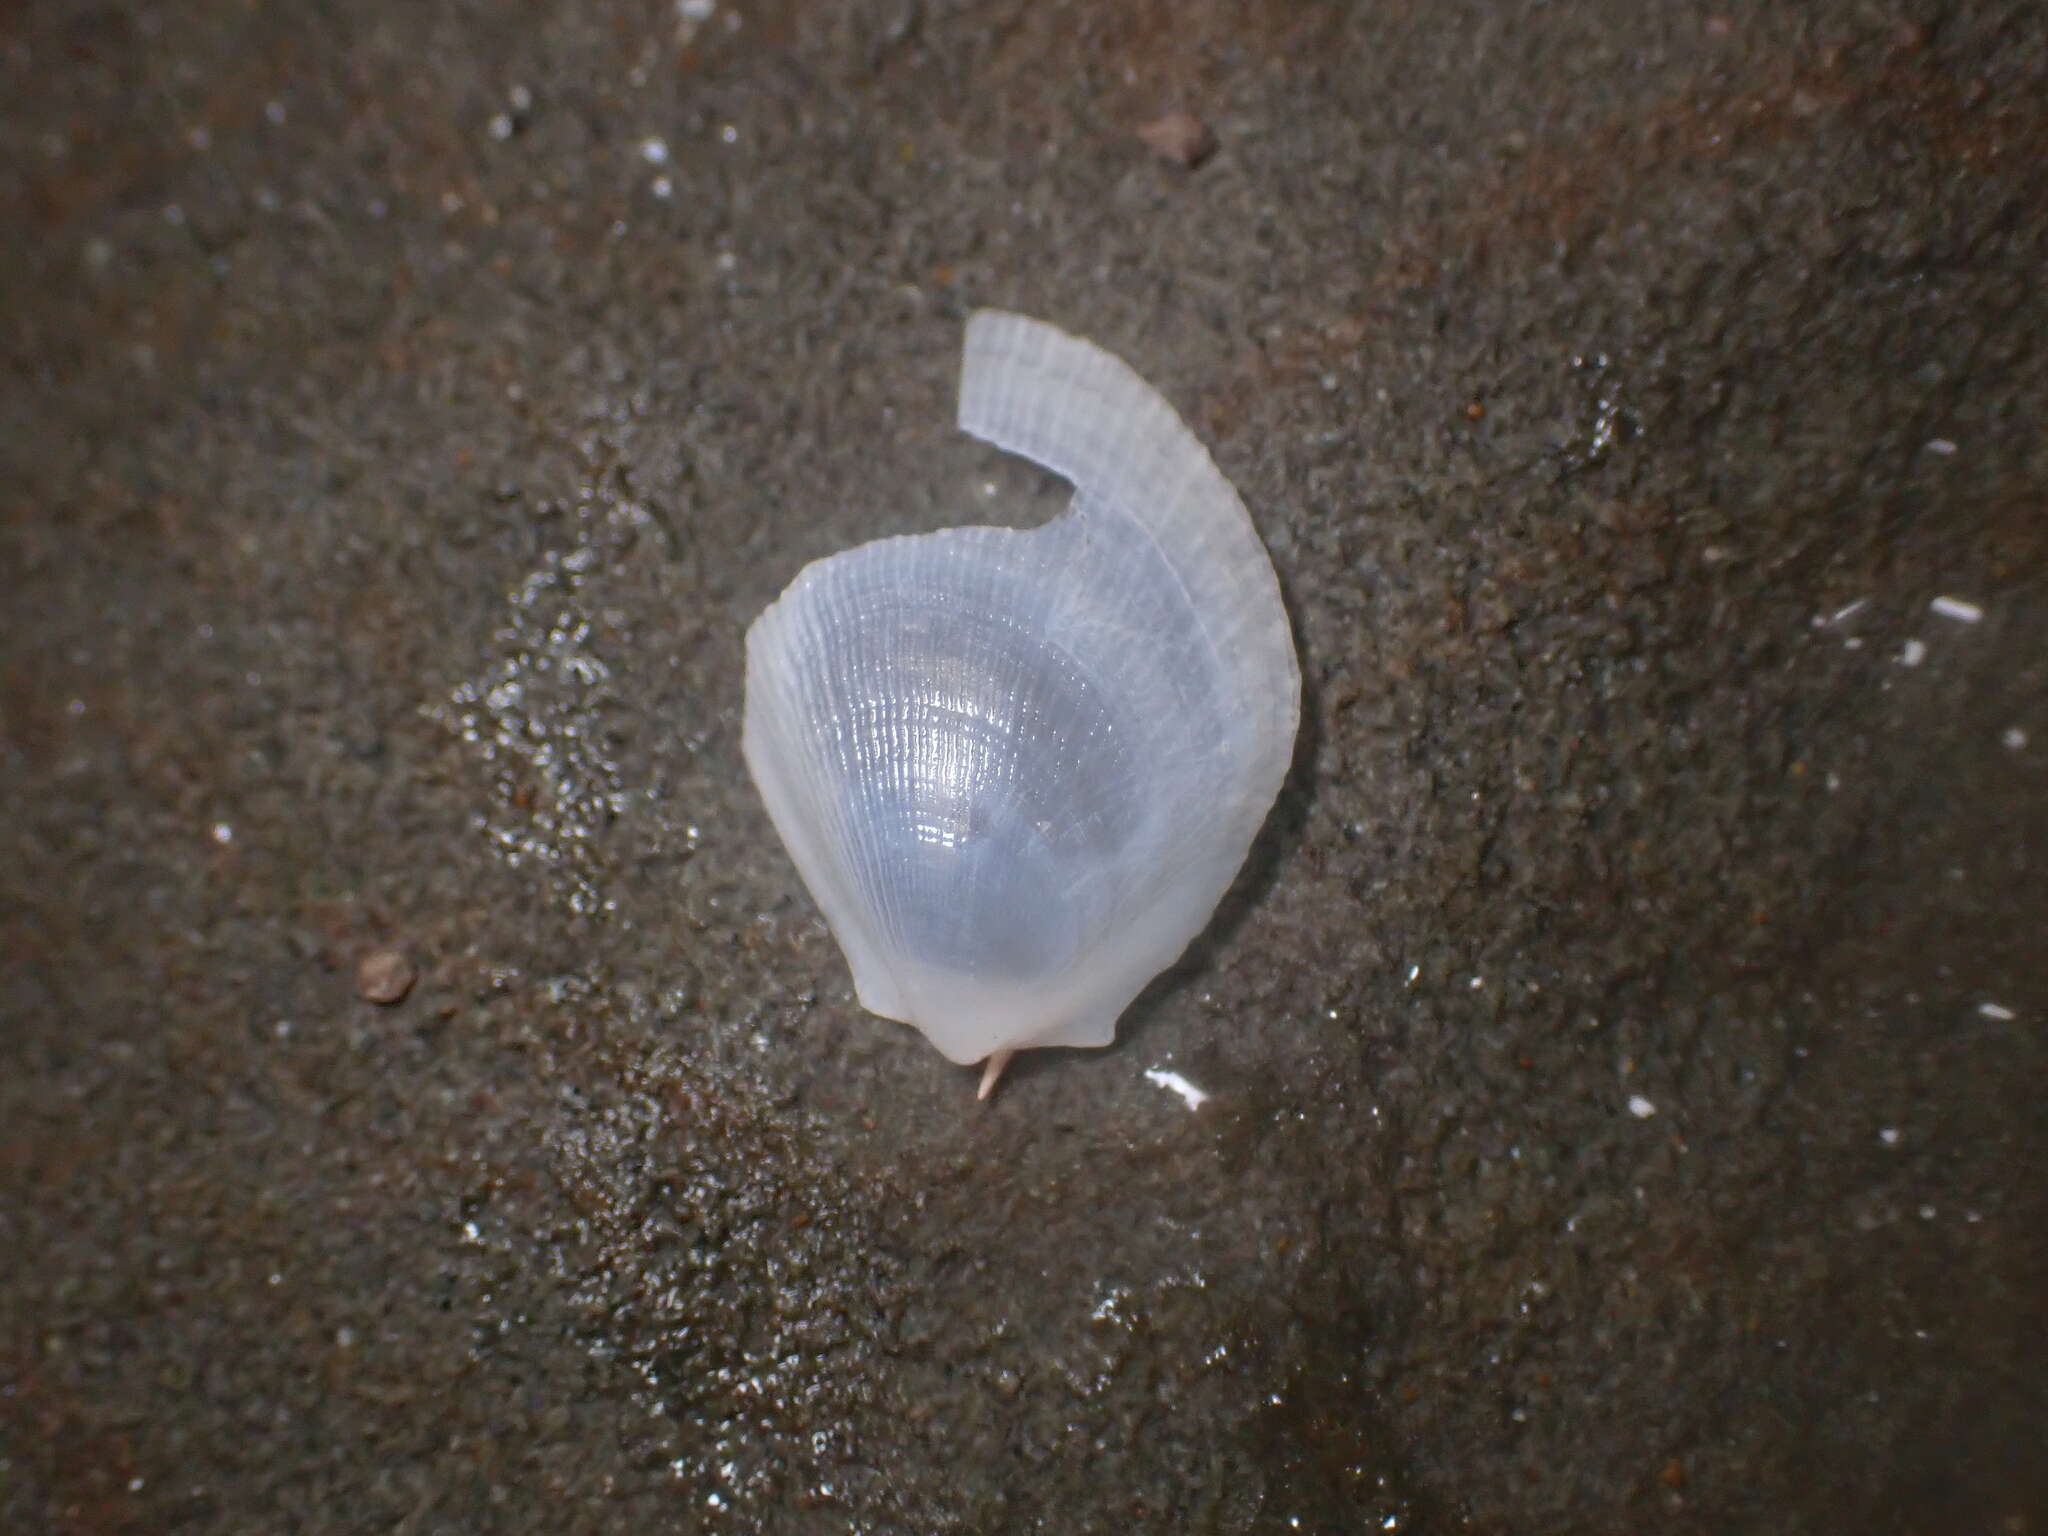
(1624, 1047)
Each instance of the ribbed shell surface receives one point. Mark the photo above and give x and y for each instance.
(1017, 770)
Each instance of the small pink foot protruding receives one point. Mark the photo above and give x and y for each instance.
(991, 1070)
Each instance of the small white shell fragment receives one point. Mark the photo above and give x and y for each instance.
(1913, 653)
(1640, 1107)
(1173, 1082)
(1959, 609)
(1017, 770)
(1996, 1011)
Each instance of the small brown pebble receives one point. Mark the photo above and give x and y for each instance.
(1180, 137)
(385, 976)
(1673, 1475)
(1474, 410)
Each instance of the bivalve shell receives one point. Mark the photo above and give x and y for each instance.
(1018, 770)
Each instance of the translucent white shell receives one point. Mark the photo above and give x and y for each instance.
(1019, 769)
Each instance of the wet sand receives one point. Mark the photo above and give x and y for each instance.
(1623, 1049)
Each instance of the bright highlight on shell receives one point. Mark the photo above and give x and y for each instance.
(1017, 770)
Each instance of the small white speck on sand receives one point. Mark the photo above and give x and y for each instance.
(1962, 610)
(654, 151)
(662, 188)
(2015, 739)
(1913, 654)
(500, 127)
(1996, 1011)
(1640, 1107)
(1944, 446)
(1173, 1082)
(1889, 1135)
